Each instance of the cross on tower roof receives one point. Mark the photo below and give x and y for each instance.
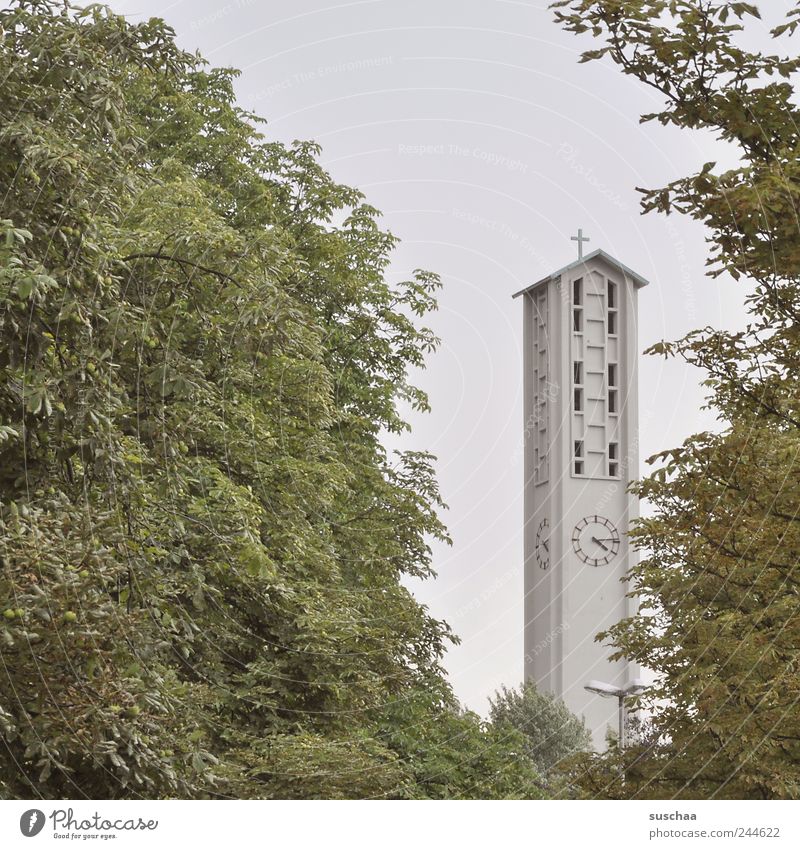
(580, 239)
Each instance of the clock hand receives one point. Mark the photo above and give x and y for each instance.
(544, 545)
(600, 543)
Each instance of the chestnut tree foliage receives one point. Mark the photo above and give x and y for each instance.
(202, 539)
(720, 582)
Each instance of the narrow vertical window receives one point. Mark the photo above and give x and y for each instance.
(613, 469)
(612, 306)
(578, 399)
(577, 305)
(577, 373)
(578, 456)
(612, 451)
(612, 374)
(612, 400)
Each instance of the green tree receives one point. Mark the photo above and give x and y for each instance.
(202, 537)
(552, 734)
(719, 582)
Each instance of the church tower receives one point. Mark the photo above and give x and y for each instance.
(581, 449)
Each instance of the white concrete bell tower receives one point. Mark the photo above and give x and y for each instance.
(581, 449)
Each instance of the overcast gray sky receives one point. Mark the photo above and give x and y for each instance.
(474, 129)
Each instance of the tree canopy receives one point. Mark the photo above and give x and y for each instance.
(202, 537)
(720, 579)
(552, 734)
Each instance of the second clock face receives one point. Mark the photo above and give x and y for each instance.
(543, 544)
(595, 540)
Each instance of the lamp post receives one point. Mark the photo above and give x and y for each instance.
(632, 688)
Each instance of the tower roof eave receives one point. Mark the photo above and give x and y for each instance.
(638, 280)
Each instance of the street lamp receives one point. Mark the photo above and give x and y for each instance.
(632, 688)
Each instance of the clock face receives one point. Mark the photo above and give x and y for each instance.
(543, 544)
(595, 540)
